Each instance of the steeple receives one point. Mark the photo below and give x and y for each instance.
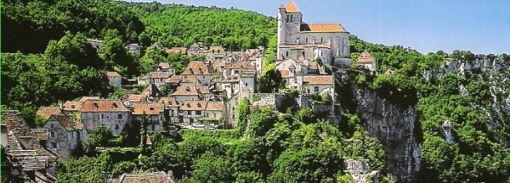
(291, 7)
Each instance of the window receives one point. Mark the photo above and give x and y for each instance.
(52, 125)
(308, 90)
(102, 116)
(290, 18)
(287, 20)
(116, 127)
(189, 112)
(54, 145)
(287, 54)
(322, 39)
(119, 116)
(52, 134)
(316, 89)
(198, 112)
(245, 84)
(72, 135)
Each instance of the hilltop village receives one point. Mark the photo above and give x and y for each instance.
(204, 96)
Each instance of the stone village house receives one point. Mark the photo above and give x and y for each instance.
(104, 112)
(63, 135)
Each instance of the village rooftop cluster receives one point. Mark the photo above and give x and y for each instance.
(205, 95)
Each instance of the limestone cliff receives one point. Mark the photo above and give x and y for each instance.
(392, 124)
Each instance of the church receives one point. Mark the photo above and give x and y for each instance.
(328, 42)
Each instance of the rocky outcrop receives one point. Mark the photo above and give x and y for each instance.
(477, 65)
(394, 126)
(360, 171)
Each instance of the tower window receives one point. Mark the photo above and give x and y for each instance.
(287, 20)
(306, 40)
(290, 18)
(321, 40)
(287, 54)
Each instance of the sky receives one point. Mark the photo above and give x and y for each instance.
(481, 27)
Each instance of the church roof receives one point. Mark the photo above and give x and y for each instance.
(365, 57)
(323, 27)
(291, 7)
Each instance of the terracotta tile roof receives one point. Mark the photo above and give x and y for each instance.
(112, 74)
(285, 73)
(241, 65)
(84, 98)
(196, 68)
(217, 49)
(159, 75)
(46, 112)
(389, 72)
(135, 97)
(203, 89)
(79, 126)
(365, 57)
(145, 177)
(103, 105)
(313, 65)
(181, 50)
(214, 106)
(323, 27)
(164, 65)
(231, 79)
(41, 134)
(318, 80)
(193, 106)
(169, 101)
(174, 79)
(71, 106)
(189, 79)
(291, 7)
(186, 91)
(63, 120)
(150, 109)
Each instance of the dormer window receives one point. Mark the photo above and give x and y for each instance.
(96, 106)
(188, 105)
(187, 89)
(115, 105)
(199, 105)
(151, 108)
(72, 106)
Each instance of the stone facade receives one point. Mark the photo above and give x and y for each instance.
(63, 137)
(310, 40)
(103, 112)
(114, 79)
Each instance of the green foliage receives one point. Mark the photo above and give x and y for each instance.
(179, 25)
(101, 136)
(271, 81)
(32, 24)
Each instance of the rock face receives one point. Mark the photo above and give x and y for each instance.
(394, 126)
(360, 171)
(454, 66)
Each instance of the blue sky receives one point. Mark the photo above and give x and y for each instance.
(427, 25)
